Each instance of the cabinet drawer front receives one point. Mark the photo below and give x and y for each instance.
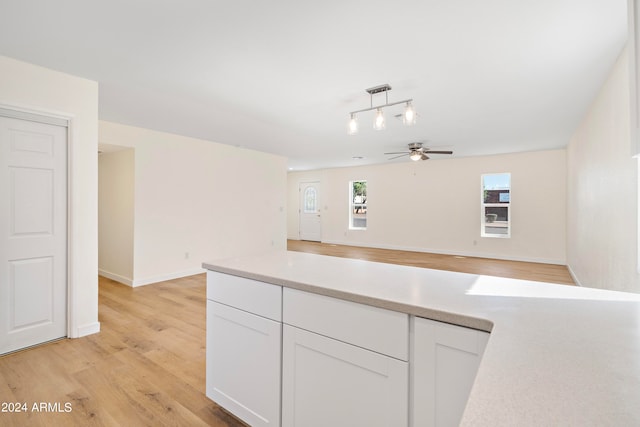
(465, 339)
(373, 328)
(249, 295)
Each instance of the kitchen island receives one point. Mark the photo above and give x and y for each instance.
(556, 355)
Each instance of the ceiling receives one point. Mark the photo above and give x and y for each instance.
(281, 76)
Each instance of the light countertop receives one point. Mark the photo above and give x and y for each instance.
(557, 354)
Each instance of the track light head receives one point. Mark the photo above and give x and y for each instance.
(353, 124)
(378, 123)
(409, 116)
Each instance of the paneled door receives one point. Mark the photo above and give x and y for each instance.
(33, 233)
(310, 220)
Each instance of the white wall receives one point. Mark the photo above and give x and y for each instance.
(45, 91)
(434, 206)
(115, 214)
(198, 197)
(602, 191)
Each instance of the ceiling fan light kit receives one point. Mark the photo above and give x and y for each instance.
(417, 152)
(416, 155)
(408, 117)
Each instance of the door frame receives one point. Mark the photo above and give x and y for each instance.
(300, 184)
(66, 120)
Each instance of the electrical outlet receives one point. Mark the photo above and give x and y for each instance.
(186, 255)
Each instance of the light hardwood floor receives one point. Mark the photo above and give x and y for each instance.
(552, 273)
(147, 365)
(145, 368)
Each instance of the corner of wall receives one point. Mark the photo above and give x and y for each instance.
(89, 329)
(602, 189)
(116, 277)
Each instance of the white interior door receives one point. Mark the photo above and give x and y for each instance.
(33, 233)
(310, 220)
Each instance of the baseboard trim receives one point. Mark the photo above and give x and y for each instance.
(149, 280)
(113, 276)
(165, 277)
(91, 328)
(441, 252)
(573, 276)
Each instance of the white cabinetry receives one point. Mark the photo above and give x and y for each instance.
(244, 336)
(329, 381)
(286, 357)
(444, 363)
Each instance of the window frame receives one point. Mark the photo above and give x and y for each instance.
(353, 205)
(484, 206)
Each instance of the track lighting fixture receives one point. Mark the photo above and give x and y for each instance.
(408, 117)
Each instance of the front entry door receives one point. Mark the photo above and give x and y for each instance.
(310, 221)
(33, 233)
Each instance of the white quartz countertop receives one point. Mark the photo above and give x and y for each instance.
(558, 355)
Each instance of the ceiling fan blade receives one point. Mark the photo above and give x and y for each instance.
(401, 155)
(438, 152)
(424, 157)
(398, 152)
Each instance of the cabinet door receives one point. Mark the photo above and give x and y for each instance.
(330, 383)
(243, 364)
(444, 363)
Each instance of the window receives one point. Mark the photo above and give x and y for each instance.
(310, 200)
(358, 205)
(496, 204)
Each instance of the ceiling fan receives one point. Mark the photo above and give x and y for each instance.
(418, 152)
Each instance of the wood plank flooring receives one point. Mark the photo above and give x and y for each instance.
(147, 365)
(491, 267)
(145, 368)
